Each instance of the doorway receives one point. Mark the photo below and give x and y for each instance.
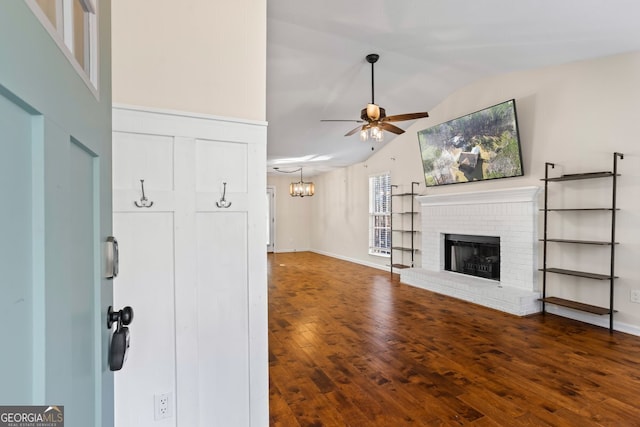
(271, 218)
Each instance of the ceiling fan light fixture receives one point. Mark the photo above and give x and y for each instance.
(372, 133)
(373, 111)
(377, 134)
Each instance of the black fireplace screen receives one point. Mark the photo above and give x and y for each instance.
(473, 255)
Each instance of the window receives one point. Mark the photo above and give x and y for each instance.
(73, 26)
(380, 215)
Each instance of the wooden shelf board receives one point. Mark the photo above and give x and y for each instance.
(404, 213)
(581, 242)
(578, 209)
(400, 266)
(578, 273)
(400, 248)
(576, 176)
(404, 194)
(576, 305)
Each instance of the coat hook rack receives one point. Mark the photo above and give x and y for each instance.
(144, 202)
(222, 203)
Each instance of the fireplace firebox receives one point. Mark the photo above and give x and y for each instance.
(473, 255)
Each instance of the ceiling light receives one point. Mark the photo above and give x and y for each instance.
(373, 111)
(373, 133)
(300, 188)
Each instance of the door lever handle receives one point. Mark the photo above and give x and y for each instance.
(122, 317)
(120, 338)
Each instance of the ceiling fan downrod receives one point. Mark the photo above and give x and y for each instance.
(373, 111)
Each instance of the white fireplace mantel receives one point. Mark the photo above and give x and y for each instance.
(511, 215)
(506, 195)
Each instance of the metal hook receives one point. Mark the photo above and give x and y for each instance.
(144, 202)
(223, 202)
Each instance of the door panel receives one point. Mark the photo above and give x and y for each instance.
(83, 285)
(73, 351)
(16, 263)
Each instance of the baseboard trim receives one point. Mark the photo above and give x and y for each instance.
(354, 260)
(593, 319)
(290, 250)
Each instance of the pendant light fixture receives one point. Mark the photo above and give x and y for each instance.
(300, 188)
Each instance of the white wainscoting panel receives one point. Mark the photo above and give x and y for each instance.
(218, 162)
(148, 157)
(213, 260)
(222, 306)
(146, 283)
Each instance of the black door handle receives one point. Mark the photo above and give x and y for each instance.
(120, 338)
(122, 317)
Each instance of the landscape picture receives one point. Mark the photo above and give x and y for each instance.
(479, 146)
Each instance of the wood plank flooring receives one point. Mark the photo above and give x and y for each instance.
(350, 346)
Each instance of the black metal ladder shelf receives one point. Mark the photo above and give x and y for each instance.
(410, 249)
(610, 277)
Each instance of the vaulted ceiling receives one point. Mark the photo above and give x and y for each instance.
(316, 67)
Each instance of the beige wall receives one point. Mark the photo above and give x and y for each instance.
(574, 115)
(200, 56)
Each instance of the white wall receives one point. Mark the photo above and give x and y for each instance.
(341, 209)
(293, 214)
(574, 115)
(200, 56)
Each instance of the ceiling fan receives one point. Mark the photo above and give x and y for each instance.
(375, 117)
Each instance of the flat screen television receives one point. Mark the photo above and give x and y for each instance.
(476, 147)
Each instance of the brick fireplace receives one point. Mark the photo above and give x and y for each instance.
(508, 214)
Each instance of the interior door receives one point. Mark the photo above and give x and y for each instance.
(55, 184)
(271, 218)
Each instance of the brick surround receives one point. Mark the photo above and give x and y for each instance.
(510, 214)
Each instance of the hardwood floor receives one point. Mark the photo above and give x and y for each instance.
(349, 346)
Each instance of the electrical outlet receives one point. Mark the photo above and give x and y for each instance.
(635, 295)
(162, 406)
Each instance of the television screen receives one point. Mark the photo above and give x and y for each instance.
(479, 146)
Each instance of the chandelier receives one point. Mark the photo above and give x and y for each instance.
(300, 188)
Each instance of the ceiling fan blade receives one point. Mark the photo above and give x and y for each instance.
(339, 120)
(391, 128)
(403, 117)
(351, 132)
